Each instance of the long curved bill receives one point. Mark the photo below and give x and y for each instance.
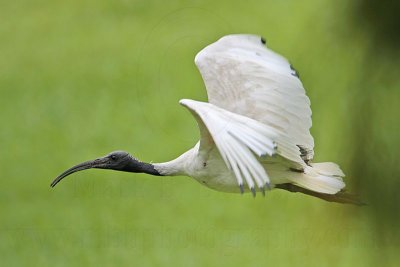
(97, 163)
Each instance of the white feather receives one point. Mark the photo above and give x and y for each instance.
(243, 76)
(235, 136)
(257, 108)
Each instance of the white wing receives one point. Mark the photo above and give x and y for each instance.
(243, 76)
(239, 139)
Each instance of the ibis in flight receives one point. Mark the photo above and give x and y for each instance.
(254, 129)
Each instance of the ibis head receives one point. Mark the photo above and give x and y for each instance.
(117, 160)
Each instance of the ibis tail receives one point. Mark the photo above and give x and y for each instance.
(339, 197)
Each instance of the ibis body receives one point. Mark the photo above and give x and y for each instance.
(255, 128)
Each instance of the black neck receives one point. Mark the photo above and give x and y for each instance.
(140, 167)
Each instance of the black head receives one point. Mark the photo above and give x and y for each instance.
(117, 160)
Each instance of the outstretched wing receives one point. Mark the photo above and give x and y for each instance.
(239, 140)
(245, 77)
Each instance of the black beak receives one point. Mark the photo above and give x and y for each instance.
(97, 163)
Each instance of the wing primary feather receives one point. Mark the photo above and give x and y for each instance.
(231, 162)
(259, 174)
(253, 191)
(263, 139)
(241, 188)
(256, 148)
(262, 188)
(268, 146)
(244, 167)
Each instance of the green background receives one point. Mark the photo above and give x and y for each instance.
(79, 79)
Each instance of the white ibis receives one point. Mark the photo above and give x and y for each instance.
(254, 129)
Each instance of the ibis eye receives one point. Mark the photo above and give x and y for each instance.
(113, 157)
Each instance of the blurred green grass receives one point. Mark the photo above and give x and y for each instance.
(79, 79)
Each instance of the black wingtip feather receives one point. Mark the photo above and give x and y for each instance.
(253, 191)
(263, 41)
(241, 188)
